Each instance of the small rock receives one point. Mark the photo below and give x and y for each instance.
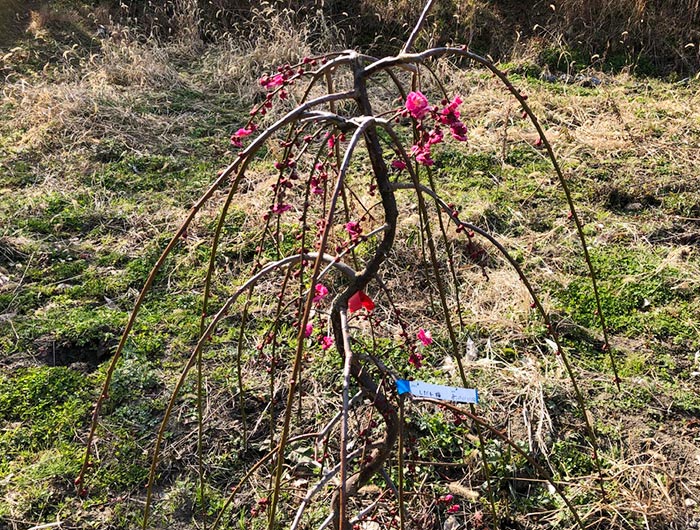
(471, 354)
(689, 503)
(451, 523)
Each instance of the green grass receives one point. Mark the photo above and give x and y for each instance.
(87, 217)
(640, 295)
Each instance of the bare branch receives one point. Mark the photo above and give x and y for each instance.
(419, 25)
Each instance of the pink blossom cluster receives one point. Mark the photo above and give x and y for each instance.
(449, 116)
(415, 358)
(448, 501)
(418, 107)
(286, 74)
(321, 292)
(268, 83)
(274, 84)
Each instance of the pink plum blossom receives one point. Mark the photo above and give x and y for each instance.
(240, 133)
(450, 116)
(321, 292)
(417, 104)
(424, 158)
(435, 136)
(243, 131)
(354, 230)
(450, 113)
(326, 342)
(398, 164)
(308, 330)
(422, 154)
(459, 131)
(425, 337)
(360, 300)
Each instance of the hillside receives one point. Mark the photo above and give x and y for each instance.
(108, 139)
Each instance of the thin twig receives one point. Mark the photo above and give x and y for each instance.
(307, 310)
(419, 25)
(541, 470)
(318, 487)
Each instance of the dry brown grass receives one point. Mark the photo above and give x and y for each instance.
(77, 108)
(47, 19)
(74, 116)
(234, 64)
(128, 63)
(660, 33)
(100, 100)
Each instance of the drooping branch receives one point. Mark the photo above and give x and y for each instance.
(418, 58)
(538, 304)
(238, 168)
(208, 332)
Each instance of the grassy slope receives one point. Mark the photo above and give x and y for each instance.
(101, 157)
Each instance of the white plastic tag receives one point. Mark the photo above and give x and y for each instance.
(445, 393)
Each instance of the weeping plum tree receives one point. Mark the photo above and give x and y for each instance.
(356, 132)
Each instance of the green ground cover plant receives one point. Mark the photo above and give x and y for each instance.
(103, 155)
